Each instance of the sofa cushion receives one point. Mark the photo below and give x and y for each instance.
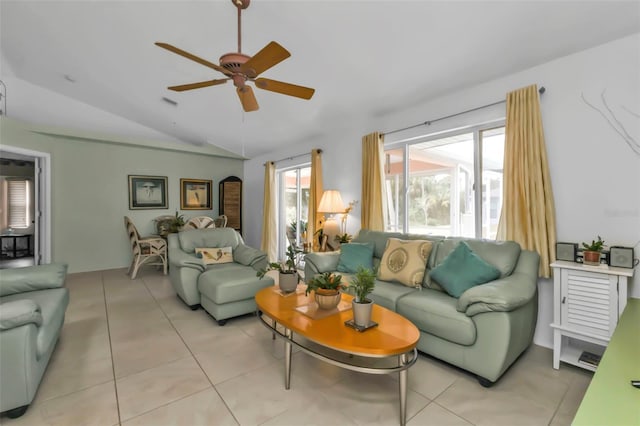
(387, 294)
(405, 261)
(379, 239)
(211, 256)
(217, 237)
(501, 254)
(230, 282)
(355, 255)
(434, 312)
(19, 312)
(53, 304)
(463, 269)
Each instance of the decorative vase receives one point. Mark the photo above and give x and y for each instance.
(288, 282)
(327, 299)
(362, 312)
(591, 257)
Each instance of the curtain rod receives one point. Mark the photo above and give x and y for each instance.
(292, 157)
(428, 123)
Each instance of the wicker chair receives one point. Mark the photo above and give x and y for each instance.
(221, 221)
(199, 222)
(146, 251)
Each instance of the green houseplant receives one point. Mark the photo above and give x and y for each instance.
(363, 283)
(327, 288)
(592, 251)
(288, 274)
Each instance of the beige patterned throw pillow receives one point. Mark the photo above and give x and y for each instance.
(405, 261)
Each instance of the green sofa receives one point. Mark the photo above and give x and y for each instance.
(224, 290)
(486, 328)
(33, 303)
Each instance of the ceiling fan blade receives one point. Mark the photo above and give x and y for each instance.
(247, 98)
(199, 85)
(269, 56)
(285, 88)
(193, 57)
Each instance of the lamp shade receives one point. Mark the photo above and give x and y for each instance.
(331, 202)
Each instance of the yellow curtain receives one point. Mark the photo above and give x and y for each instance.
(269, 223)
(372, 211)
(528, 212)
(314, 221)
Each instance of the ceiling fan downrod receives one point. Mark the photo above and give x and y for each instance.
(240, 4)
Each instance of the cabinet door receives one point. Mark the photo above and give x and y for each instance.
(589, 302)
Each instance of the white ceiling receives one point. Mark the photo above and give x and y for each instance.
(364, 58)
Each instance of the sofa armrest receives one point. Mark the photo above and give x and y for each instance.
(30, 278)
(317, 263)
(178, 258)
(249, 256)
(19, 312)
(504, 294)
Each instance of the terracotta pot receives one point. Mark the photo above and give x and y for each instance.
(591, 257)
(327, 299)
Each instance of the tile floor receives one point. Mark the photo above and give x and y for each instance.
(131, 353)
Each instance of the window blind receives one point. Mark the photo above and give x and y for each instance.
(18, 198)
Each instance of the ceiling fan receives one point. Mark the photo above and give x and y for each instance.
(241, 68)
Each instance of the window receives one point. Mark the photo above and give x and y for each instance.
(431, 189)
(293, 206)
(18, 196)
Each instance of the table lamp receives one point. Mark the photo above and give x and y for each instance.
(331, 203)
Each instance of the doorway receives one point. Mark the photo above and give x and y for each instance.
(25, 216)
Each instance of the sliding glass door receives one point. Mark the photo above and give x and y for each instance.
(293, 206)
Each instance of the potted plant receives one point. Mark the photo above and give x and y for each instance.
(288, 274)
(362, 284)
(327, 288)
(177, 223)
(343, 238)
(592, 251)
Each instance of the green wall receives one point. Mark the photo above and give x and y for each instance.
(89, 189)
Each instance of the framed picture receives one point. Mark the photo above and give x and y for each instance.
(195, 194)
(147, 192)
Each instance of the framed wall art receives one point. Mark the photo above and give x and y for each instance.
(195, 194)
(147, 192)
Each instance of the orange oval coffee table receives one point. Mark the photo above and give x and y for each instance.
(389, 347)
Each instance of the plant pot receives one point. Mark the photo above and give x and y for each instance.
(288, 282)
(362, 312)
(591, 257)
(327, 299)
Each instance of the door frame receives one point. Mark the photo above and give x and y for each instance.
(42, 188)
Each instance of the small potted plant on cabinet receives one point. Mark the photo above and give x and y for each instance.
(363, 284)
(592, 251)
(327, 288)
(288, 274)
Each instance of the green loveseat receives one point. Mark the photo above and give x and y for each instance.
(224, 290)
(486, 328)
(33, 303)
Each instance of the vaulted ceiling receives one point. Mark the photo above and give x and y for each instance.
(364, 58)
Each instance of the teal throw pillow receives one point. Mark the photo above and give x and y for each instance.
(463, 269)
(354, 255)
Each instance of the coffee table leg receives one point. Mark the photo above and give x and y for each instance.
(287, 359)
(403, 391)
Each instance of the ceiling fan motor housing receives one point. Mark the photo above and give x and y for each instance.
(234, 61)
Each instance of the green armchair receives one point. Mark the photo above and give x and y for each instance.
(33, 303)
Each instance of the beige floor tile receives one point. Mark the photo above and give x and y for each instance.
(315, 412)
(93, 406)
(155, 387)
(435, 415)
(526, 398)
(230, 356)
(372, 399)
(431, 377)
(571, 401)
(259, 396)
(146, 349)
(204, 408)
